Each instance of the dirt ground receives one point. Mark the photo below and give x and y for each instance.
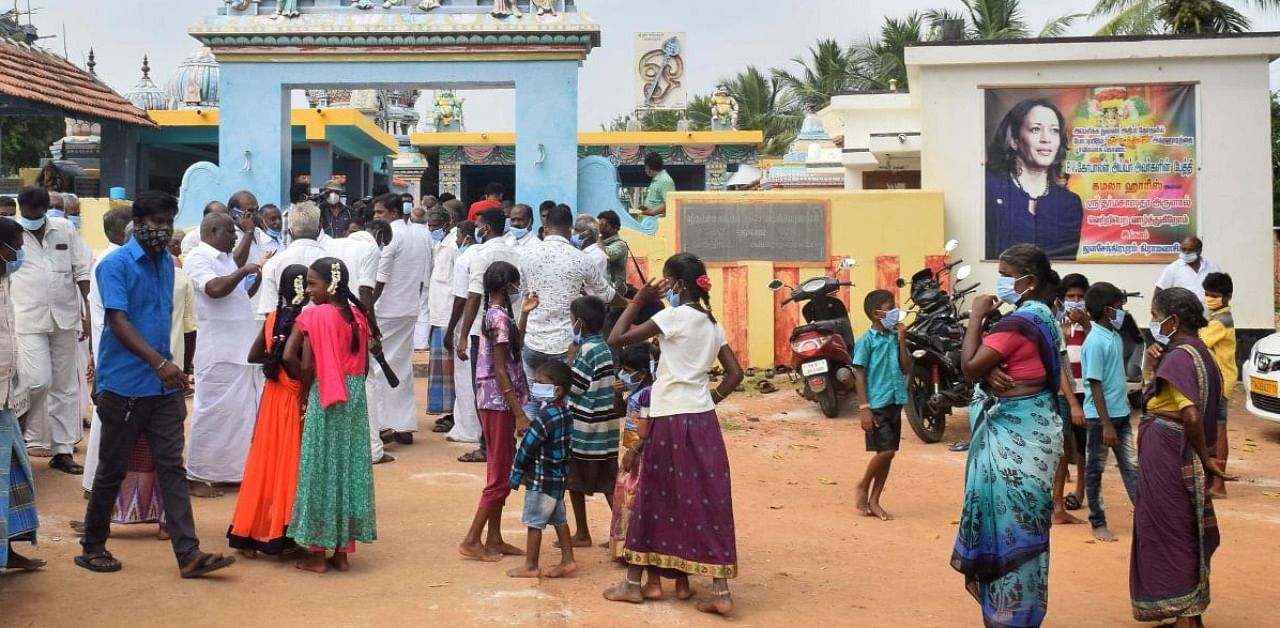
(806, 559)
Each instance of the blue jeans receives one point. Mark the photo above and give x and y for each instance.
(1096, 463)
(532, 360)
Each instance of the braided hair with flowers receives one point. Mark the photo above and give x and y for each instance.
(292, 298)
(689, 275)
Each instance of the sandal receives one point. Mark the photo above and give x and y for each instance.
(962, 445)
(403, 438)
(101, 562)
(387, 436)
(442, 427)
(1071, 502)
(66, 464)
(385, 459)
(203, 564)
(476, 455)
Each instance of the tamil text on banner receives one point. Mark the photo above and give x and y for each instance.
(1094, 174)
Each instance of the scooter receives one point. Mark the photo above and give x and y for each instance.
(823, 346)
(936, 383)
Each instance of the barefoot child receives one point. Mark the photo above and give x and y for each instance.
(1068, 407)
(635, 381)
(596, 424)
(1106, 401)
(880, 363)
(1220, 337)
(1075, 329)
(501, 392)
(333, 505)
(542, 465)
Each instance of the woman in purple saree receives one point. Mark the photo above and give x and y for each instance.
(1174, 529)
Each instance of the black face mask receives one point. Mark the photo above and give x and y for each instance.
(153, 240)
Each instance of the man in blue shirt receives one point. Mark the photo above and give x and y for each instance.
(880, 364)
(1106, 401)
(140, 390)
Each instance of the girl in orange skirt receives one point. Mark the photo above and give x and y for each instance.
(266, 497)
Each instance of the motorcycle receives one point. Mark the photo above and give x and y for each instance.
(936, 383)
(823, 346)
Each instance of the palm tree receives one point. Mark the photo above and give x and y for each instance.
(1148, 17)
(879, 62)
(999, 19)
(765, 104)
(829, 69)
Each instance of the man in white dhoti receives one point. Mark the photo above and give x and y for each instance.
(226, 400)
(420, 224)
(403, 270)
(50, 298)
(466, 419)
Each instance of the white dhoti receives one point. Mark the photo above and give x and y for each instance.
(222, 419)
(82, 376)
(91, 454)
(422, 330)
(466, 419)
(47, 367)
(394, 408)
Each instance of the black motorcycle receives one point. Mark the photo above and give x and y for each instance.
(936, 383)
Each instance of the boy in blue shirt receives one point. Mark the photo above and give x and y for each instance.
(541, 465)
(1106, 401)
(880, 363)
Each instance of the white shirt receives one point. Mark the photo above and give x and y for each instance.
(361, 257)
(690, 343)
(440, 288)
(227, 327)
(183, 320)
(301, 251)
(558, 273)
(191, 241)
(96, 310)
(462, 283)
(404, 268)
(595, 253)
(45, 293)
(496, 250)
(8, 345)
(528, 239)
(266, 244)
(1180, 274)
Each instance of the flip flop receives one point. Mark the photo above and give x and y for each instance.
(205, 564)
(1071, 502)
(101, 562)
(962, 445)
(442, 428)
(473, 456)
(385, 459)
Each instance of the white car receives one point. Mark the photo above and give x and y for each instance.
(1262, 378)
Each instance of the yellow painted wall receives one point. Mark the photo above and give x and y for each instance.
(865, 225)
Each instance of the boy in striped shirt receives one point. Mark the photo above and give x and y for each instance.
(593, 466)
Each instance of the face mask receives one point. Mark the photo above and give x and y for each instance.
(1118, 319)
(75, 221)
(29, 224)
(1060, 317)
(543, 392)
(1068, 306)
(1005, 290)
(153, 240)
(12, 267)
(576, 240)
(1214, 303)
(577, 335)
(673, 298)
(1155, 332)
(518, 233)
(334, 198)
(463, 249)
(892, 318)
(274, 234)
(438, 235)
(631, 381)
(1189, 258)
(55, 213)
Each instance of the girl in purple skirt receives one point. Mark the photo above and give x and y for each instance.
(684, 508)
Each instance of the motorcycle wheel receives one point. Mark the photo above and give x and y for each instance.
(928, 423)
(828, 401)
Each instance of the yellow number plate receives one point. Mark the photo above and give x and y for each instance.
(1263, 386)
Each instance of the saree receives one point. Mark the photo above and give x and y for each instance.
(1175, 531)
(18, 519)
(1002, 545)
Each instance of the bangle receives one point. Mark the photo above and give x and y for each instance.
(506, 391)
(160, 365)
(865, 406)
(717, 396)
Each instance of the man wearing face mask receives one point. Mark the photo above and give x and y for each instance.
(271, 236)
(586, 236)
(440, 382)
(71, 205)
(334, 214)
(520, 232)
(50, 296)
(434, 223)
(1189, 270)
(304, 228)
(404, 269)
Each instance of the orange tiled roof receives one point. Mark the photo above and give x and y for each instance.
(31, 73)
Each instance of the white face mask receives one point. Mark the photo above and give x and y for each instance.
(334, 198)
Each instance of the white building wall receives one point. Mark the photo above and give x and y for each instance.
(1233, 199)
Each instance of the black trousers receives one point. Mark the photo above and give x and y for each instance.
(125, 420)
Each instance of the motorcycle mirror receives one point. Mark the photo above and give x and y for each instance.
(776, 285)
(902, 283)
(951, 245)
(963, 273)
(848, 263)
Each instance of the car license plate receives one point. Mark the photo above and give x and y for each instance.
(814, 368)
(1262, 386)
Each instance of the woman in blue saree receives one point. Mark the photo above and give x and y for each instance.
(1002, 546)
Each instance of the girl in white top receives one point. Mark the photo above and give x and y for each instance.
(684, 453)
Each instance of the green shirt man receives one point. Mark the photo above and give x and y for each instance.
(655, 200)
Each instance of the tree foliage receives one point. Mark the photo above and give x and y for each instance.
(27, 140)
(1187, 17)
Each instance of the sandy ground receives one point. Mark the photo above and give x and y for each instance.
(805, 557)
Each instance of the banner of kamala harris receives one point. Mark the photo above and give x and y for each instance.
(1093, 174)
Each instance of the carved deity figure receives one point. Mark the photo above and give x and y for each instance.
(427, 5)
(504, 8)
(446, 111)
(287, 8)
(391, 3)
(724, 110)
(544, 7)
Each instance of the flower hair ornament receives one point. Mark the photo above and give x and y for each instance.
(703, 282)
(299, 292)
(335, 275)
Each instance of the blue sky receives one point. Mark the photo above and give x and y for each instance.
(723, 36)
